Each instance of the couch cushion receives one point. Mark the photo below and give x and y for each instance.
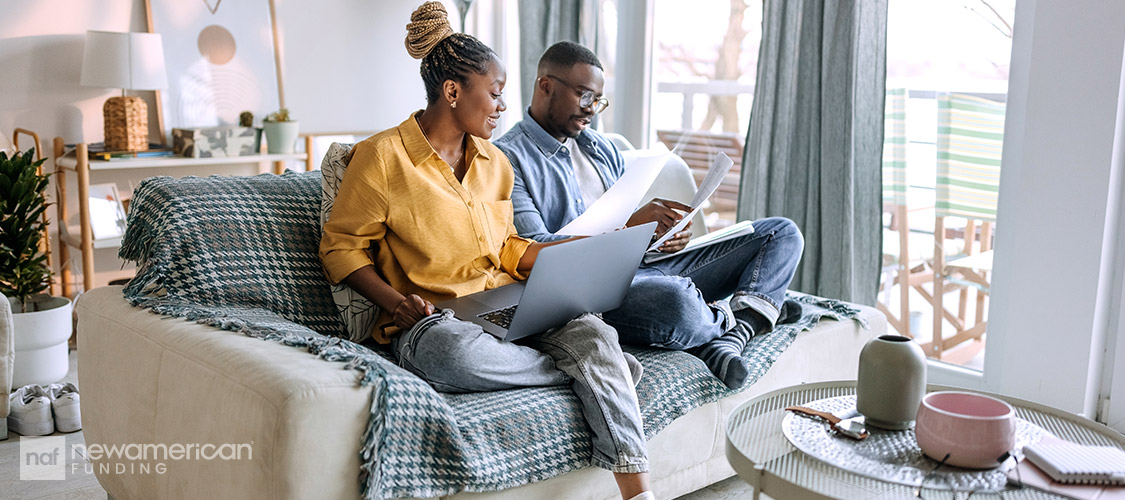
(358, 313)
(248, 242)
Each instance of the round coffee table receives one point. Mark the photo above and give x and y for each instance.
(760, 453)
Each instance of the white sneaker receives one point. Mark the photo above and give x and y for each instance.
(65, 406)
(30, 412)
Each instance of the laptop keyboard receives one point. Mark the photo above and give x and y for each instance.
(502, 317)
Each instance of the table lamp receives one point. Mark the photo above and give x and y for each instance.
(129, 61)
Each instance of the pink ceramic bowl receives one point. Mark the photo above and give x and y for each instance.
(973, 429)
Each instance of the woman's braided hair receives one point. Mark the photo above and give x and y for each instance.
(445, 55)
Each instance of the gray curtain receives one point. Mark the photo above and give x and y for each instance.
(814, 148)
(546, 22)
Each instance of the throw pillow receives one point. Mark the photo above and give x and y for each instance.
(358, 313)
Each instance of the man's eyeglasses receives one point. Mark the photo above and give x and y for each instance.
(586, 98)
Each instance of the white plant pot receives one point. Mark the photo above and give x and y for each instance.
(281, 137)
(41, 342)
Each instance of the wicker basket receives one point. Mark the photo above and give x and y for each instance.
(126, 124)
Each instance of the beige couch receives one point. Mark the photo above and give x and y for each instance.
(150, 379)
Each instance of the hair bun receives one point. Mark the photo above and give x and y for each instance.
(429, 24)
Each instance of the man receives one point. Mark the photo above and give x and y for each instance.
(561, 167)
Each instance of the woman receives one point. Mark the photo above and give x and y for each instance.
(434, 196)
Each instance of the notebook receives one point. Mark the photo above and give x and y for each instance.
(1071, 463)
(1027, 475)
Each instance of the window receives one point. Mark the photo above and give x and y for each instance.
(704, 57)
(947, 70)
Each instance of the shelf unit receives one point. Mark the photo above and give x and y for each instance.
(81, 236)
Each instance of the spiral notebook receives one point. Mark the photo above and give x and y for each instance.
(1071, 463)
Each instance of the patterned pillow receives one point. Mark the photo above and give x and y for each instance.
(358, 313)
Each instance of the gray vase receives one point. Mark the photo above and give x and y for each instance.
(892, 381)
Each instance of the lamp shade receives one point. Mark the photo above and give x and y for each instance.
(133, 61)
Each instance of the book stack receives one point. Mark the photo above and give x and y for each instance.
(98, 151)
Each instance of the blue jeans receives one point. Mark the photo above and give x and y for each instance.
(458, 356)
(680, 302)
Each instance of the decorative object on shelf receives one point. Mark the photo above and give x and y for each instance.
(225, 61)
(209, 142)
(281, 132)
(107, 212)
(129, 61)
(892, 381)
(42, 323)
(246, 119)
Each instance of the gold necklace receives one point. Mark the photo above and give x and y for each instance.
(460, 149)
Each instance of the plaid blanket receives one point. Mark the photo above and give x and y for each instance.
(240, 254)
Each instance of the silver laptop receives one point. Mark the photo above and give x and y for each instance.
(569, 279)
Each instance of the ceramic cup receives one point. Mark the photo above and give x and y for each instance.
(974, 429)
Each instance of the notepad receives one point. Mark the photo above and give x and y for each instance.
(1071, 463)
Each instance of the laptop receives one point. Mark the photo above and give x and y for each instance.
(569, 279)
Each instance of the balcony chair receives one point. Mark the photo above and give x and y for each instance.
(674, 182)
(698, 148)
(970, 140)
(906, 254)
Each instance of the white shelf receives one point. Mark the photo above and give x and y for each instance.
(73, 236)
(178, 161)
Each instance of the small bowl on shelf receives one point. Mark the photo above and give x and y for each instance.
(973, 429)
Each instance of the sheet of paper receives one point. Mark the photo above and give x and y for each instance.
(719, 168)
(613, 209)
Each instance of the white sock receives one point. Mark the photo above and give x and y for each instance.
(644, 496)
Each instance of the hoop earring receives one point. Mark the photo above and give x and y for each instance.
(453, 104)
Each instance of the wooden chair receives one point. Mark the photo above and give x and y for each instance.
(698, 148)
(970, 139)
(45, 242)
(905, 255)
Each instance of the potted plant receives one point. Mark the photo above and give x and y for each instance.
(281, 132)
(42, 323)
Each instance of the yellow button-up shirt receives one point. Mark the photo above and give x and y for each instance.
(435, 236)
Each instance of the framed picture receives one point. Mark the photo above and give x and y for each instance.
(107, 213)
(221, 61)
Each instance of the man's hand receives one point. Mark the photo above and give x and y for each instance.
(677, 242)
(663, 212)
(411, 310)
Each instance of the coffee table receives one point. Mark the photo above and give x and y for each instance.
(760, 453)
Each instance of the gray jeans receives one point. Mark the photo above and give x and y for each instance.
(458, 356)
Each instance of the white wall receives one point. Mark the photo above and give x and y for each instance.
(345, 69)
(345, 63)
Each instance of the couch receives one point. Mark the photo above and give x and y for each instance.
(227, 338)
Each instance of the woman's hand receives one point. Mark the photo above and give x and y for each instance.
(411, 310)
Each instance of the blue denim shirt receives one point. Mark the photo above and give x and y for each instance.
(546, 196)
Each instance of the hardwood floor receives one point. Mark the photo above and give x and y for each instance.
(80, 483)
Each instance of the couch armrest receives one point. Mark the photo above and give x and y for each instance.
(150, 379)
